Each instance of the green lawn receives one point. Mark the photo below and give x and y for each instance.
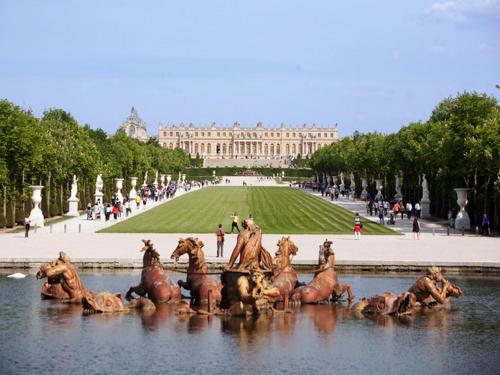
(275, 209)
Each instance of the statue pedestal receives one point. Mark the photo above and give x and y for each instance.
(98, 197)
(425, 206)
(36, 214)
(462, 221)
(36, 217)
(73, 207)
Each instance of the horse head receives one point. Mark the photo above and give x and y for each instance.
(191, 246)
(286, 248)
(151, 256)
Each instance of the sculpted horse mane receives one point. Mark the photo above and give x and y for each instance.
(194, 248)
(151, 257)
(283, 256)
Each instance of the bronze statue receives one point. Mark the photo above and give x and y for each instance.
(198, 281)
(245, 288)
(249, 249)
(284, 276)
(425, 292)
(325, 283)
(154, 280)
(63, 281)
(106, 302)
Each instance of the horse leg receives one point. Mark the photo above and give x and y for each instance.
(139, 290)
(183, 284)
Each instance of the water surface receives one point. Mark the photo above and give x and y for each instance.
(46, 337)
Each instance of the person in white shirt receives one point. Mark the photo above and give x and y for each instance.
(409, 208)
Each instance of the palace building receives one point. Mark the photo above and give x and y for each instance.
(235, 144)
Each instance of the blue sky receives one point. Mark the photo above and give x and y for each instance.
(365, 65)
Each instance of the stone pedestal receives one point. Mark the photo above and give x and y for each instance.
(98, 197)
(133, 193)
(73, 207)
(462, 221)
(36, 215)
(425, 205)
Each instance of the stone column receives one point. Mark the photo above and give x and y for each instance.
(462, 221)
(36, 215)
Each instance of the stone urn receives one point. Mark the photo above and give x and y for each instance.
(364, 185)
(379, 186)
(133, 193)
(36, 215)
(462, 221)
(119, 187)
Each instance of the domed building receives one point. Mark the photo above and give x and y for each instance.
(134, 127)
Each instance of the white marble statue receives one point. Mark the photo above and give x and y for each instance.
(425, 188)
(74, 187)
(99, 184)
(398, 186)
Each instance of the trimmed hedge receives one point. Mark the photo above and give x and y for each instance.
(233, 171)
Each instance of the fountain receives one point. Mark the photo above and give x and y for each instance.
(462, 221)
(73, 200)
(36, 215)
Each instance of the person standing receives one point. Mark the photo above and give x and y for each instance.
(220, 241)
(357, 227)
(381, 216)
(485, 225)
(27, 225)
(234, 224)
(128, 210)
(416, 228)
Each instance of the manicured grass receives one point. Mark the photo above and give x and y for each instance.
(279, 210)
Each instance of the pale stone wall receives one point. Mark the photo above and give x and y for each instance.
(236, 142)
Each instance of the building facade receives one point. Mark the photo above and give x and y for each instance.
(237, 142)
(134, 127)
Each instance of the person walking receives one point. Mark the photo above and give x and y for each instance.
(115, 211)
(234, 224)
(128, 210)
(138, 201)
(409, 208)
(416, 228)
(418, 209)
(485, 225)
(357, 227)
(220, 241)
(27, 225)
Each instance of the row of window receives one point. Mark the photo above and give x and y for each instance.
(246, 149)
(248, 135)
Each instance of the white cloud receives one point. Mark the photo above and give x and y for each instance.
(462, 11)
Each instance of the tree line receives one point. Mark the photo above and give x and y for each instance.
(457, 147)
(49, 150)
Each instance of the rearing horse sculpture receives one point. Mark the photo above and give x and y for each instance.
(284, 276)
(198, 281)
(154, 280)
(325, 283)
